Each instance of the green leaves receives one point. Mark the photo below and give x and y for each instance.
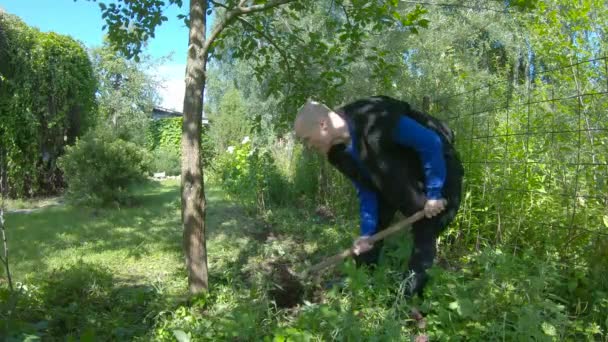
(464, 307)
(47, 99)
(131, 23)
(549, 329)
(181, 336)
(126, 93)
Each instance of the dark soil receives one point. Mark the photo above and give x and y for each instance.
(287, 291)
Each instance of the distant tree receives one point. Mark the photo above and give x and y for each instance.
(126, 94)
(47, 100)
(230, 122)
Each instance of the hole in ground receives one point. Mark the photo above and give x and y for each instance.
(287, 291)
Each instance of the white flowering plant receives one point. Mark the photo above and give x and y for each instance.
(250, 172)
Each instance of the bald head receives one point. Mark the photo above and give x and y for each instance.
(309, 117)
(318, 126)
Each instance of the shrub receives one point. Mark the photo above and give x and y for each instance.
(165, 160)
(251, 173)
(166, 134)
(100, 168)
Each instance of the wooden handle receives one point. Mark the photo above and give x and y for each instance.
(373, 239)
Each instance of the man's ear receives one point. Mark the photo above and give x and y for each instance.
(323, 124)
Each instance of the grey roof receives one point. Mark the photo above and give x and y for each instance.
(162, 113)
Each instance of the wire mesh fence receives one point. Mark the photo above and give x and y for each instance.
(535, 152)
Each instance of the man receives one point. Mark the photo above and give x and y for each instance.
(398, 159)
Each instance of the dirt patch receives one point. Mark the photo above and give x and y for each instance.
(286, 289)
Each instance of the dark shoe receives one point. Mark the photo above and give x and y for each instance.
(339, 283)
(415, 283)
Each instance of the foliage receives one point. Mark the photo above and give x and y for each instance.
(486, 295)
(251, 175)
(124, 271)
(93, 274)
(166, 134)
(489, 74)
(126, 94)
(526, 251)
(47, 88)
(164, 139)
(101, 167)
(230, 121)
(165, 160)
(499, 296)
(78, 301)
(132, 23)
(312, 45)
(528, 111)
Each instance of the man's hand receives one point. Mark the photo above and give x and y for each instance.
(362, 245)
(433, 207)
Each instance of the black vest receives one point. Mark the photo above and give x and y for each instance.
(394, 171)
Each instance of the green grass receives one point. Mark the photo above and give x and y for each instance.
(133, 251)
(136, 244)
(34, 203)
(118, 274)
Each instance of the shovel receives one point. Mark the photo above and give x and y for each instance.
(333, 260)
(289, 288)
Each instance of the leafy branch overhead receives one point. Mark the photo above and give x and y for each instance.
(310, 58)
(131, 24)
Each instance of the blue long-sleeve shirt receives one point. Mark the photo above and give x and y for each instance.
(427, 143)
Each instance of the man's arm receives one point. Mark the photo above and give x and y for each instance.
(368, 213)
(427, 143)
(368, 209)
(429, 146)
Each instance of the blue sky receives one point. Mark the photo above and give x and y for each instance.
(82, 20)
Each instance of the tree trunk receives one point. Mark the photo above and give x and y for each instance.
(193, 188)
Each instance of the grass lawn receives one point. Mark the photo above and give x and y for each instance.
(118, 274)
(138, 244)
(134, 252)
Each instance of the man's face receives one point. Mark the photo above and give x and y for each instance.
(314, 136)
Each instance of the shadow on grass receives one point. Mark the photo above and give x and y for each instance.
(111, 294)
(149, 229)
(84, 302)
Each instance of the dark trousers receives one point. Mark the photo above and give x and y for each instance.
(425, 232)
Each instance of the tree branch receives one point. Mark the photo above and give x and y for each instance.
(261, 7)
(455, 5)
(232, 14)
(218, 4)
(346, 14)
(271, 41)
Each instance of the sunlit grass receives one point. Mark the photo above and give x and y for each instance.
(140, 242)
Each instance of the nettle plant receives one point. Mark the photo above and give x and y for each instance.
(250, 172)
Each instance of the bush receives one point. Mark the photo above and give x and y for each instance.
(166, 160)
(251, 174)
(100, 168)
(77, 302)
